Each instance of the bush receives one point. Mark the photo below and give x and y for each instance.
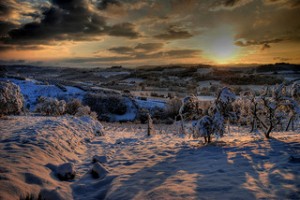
(50, 106)
(85, 110)
(11, 99)
(106, 104)
(73, 106)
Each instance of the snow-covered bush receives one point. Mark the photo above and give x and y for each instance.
(218, 114)
(11, 99)
(73, 106)
(85, 110)
(51, 106)
(243, 107)
(204, 128)
(190, 108)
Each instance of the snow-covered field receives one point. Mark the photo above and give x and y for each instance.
(32, 89)
(163, 166)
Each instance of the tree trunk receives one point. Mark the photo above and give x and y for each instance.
(208, 139)
(267, 133)
(182, 125)
(228, 127)
(151, 130)
(289, 123)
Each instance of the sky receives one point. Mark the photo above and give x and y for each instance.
(102, 33)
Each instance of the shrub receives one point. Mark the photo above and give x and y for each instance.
(73, 106)
(85, 110)
(50, 106)
(11, 99)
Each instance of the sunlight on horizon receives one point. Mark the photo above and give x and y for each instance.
(220, 47)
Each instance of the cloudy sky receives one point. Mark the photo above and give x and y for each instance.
(149, 32)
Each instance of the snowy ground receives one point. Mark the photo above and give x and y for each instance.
(164, 166)
(32, 89)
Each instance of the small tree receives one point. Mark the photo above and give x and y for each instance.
(219, 112)
(150, 130)
(189, 110)
(295, 92)
(271, 114)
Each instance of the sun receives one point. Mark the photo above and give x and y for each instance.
(219, 45)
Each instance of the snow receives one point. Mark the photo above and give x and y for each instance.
(206, 98)
(33, 148)
(32, 89)
(150, 103)
(165, 166)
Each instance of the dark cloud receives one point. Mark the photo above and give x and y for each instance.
(265, 46)
(5, 27)
(174, 54)
(4, 47)
(124, 30)
(174, 33)
(228, 4)
(149, 47)
(264, 43)
(103, 4)
(122, 50)
(281, 59)
(6, 8)
(284, 3)
(68, 20)
(141, 48)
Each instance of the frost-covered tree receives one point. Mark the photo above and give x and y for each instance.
(11, 99)
(188, 110)
(293, 110)
(295, 91)
(272, 113)
(219, 112)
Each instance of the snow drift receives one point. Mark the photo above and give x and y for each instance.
(33, 150)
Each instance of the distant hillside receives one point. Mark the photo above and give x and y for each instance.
(278, 67)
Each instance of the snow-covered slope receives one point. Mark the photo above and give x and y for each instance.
(163, 166)
(32, 89)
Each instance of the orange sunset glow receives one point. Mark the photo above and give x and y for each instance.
(132, 33)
